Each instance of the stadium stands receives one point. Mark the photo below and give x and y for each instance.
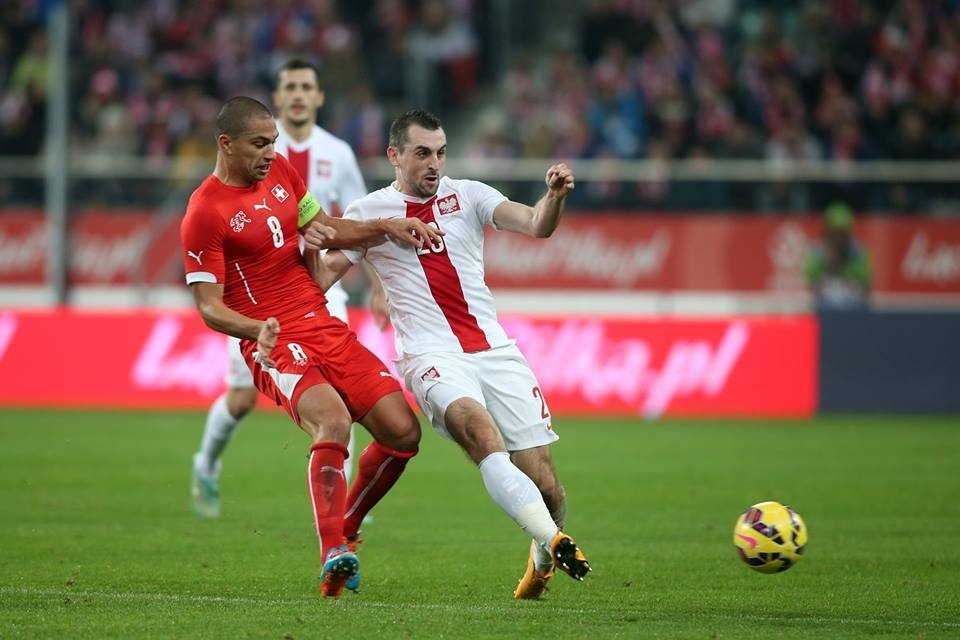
(846, 80)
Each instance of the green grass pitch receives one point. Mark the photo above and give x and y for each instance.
(97, 539)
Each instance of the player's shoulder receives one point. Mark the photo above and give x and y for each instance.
(384, 194)
(206, 206)
(468, 190)
(448, 184)
(281, 171)
(327, 137)
(281, 161)
(325, 140)
(375, 202)
(206, 194)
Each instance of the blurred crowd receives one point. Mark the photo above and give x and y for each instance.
(146, 76)
(775, 80)
(788, 80)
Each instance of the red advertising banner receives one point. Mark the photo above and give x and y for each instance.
(913, 257)
(106, 248)
(755, 366)
(629, 252)
(718, 253)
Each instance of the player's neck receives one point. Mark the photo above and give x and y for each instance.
(297, 132)
(228, 177)
(407, 192)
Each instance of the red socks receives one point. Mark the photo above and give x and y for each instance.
(377, 471)
(328, 488)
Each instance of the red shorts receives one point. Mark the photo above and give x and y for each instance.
(316, 350)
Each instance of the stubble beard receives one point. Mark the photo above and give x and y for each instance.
(425, 191)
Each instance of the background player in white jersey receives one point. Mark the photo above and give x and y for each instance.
(329, 167)
(469, 378)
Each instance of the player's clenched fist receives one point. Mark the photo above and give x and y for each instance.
(316, 235)
(559, 180)
(266, 341)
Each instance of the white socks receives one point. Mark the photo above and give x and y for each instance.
(217, 432)
(519, 497)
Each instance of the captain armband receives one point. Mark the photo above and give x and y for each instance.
(307, 209)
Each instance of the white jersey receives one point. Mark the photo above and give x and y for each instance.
(329, 167)
(439, 300)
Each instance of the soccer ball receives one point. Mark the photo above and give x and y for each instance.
(770, 537)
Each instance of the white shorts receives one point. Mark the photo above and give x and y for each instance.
(499, 379)
(238, 374)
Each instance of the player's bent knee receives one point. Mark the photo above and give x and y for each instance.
(393, 424)
(403, 434)
(326, 427)
(409, 438)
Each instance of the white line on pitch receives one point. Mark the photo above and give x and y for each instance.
(455, 607)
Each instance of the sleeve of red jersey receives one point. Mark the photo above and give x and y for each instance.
(201, 234)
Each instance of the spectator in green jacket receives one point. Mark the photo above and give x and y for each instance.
(838, 267)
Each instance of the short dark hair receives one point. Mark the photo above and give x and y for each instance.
(236, 114)
(400, 126)
(295, 64)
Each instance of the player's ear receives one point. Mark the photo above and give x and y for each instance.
(224, 143)
(393, 155)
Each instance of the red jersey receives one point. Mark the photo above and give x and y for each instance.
(247, 238)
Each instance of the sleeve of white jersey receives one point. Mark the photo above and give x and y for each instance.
(484, 199)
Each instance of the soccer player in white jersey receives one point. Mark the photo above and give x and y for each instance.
(329, 167)
(469, 378)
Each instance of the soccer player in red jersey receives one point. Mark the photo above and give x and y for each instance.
(240, 237)
(468, 376)
(330, 170)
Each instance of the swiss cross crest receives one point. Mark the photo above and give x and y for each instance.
(279, 193)
(239, 221)
(449, 204)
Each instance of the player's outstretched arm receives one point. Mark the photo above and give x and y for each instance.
(356, 234)
(542, 219)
